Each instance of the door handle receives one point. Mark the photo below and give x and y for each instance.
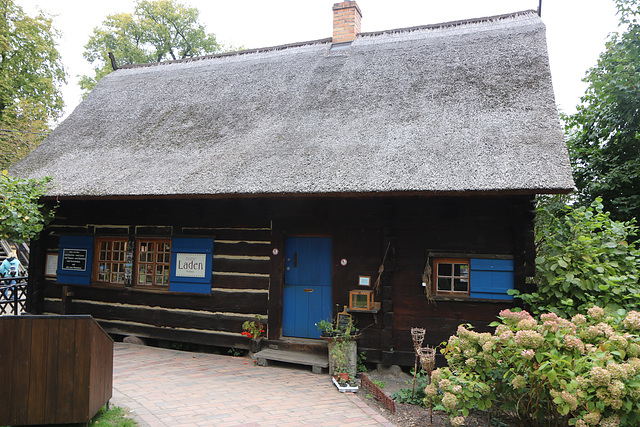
(308, 290)
(295, 259)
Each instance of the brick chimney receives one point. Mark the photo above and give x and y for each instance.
(346, 21)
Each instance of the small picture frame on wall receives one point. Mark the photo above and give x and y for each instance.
(364, 281)
(51, 265)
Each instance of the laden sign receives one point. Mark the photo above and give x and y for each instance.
(191, 265)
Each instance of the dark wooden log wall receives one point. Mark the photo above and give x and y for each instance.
(464, 226)
(247, 277)
(240, 281)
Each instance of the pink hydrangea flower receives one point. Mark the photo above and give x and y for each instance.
(596, 312)
(632, 320)
(528, 354)
(574, 343)
(530, 339)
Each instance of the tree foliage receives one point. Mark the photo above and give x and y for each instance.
(156, 31)
(31, 73)
(584, 258)
(22, 217)
(604, 133)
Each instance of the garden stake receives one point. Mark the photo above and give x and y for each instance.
(417, 334)
(428, 362)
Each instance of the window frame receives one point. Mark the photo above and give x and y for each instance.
(155, 263)
(97, 260)
(436, 276)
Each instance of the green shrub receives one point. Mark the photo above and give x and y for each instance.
(552, 371)
(583, 258)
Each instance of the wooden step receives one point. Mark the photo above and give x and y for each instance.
(316, 361)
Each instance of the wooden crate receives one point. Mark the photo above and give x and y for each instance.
(53, 369)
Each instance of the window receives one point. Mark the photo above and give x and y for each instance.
(154, 260)
(111, 260)
(178, 264)
(452, 276)
(488, 278)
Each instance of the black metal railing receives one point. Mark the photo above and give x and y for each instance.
(13, 295)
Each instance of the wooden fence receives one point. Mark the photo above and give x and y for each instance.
(55, 369)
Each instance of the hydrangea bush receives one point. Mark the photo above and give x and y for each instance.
(547, 371)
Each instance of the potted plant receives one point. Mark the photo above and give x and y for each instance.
(326, 328)
(341, 335)
(254, 329)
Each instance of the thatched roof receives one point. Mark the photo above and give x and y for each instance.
(459, 107)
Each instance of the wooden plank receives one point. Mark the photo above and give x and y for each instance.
(242, 248)
(295, 357)
(81, 380)
(22, 379)
(158, 317)
(38, 361)
(51, 375)
(66, 370)
(276, 283)
(253, 266)
(178, 335)
(8, 373)
(235, 302)
(101, 368)
(243, 235)
(240, 282)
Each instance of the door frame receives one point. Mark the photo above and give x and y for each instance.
(280, 231)
(283, 283)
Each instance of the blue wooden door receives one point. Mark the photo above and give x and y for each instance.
(307, 285)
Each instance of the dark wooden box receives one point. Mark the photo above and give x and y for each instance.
(53, 369)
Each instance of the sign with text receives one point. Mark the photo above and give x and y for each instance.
(191, 265)
(74, 259)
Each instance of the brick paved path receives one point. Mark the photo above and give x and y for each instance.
(174, 388)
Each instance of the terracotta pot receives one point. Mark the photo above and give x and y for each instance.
(343, 375)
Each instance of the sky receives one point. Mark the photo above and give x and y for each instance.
(576, 29)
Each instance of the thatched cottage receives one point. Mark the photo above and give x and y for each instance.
(391, 172)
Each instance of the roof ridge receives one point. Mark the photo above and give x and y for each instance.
(329, 39)
(232, 53)
(451, 23)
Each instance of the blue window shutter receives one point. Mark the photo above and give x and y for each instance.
(191, 265)
(491, 278)
(75, 260)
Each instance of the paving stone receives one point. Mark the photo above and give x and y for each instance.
(173, 388)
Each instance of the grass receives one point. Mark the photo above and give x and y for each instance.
(114, 417)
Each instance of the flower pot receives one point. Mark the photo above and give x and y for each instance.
(343, 375)
(255, 345)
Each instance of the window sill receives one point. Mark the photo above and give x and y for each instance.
(468, 299)
(136, 289)
(355, 310)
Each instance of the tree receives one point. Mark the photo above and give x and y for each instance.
(31, 73)
(156, 31)
(22, 217)
(604, 133)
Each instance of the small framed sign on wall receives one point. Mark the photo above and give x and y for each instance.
(51, 265)
(364, 281)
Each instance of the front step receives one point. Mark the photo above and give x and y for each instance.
(316, 361)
